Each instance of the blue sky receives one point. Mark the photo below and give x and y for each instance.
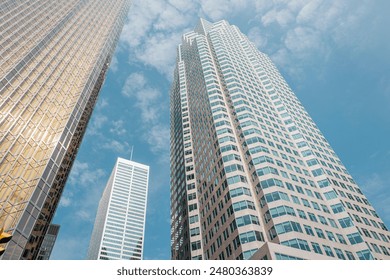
(335, 55)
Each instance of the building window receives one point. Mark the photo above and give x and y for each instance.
(364, 255)
(280, 256)
(297, 243)
(345, 222)
(328, 251)
(316, 248)
(302, 214)
(284, 228)
(350, 256)
(250, 236)
(320, 233)
(194, 231)
(195, 245)
(355, 238)
(341, 238)
(339, 254)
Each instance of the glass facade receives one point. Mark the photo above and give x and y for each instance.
(119, 227)
(48, 242)
(53, 60)
(252, 176)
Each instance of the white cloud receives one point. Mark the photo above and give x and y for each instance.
(170, 18)
(324, 15)
(184, 6)
(309, 12)
(374, 186)
(283, 17)
(84, 215)
(134, 82)
(102, 103)
(280, 57)
(215, 9)
(145, 98)
(150, 112)
(222, 9)
(158, 139)
(83, 176)
(114, 64)
(159, 51)
(303, 31)
(151, 104)
(141, 17)
(155, 27)
(305, 27)
(117, 127)
(302, 40)
(96, 123)
(257, 37)
(116, 146)
(82, 193)
(154, 30)
(65, 200)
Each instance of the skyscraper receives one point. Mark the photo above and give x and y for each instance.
(118, 232)
(53, 60)
(48, 242)
(251, 174)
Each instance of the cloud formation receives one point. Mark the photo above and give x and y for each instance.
(118, 127)
(82, 192)
(374, 186)
(83, 176)
(119, 147)
(303, 28)
(154, 110)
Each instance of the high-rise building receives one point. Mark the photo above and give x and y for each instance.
(53, 59)
(118, 232)
(48, 242)
(251, 174)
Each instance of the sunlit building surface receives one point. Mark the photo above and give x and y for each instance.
(53, 60)
(118, 232)
(252, 176)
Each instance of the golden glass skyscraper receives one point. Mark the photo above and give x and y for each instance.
(53, 59)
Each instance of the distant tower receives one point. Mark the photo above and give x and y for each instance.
(251, 174)
(54, 56)
(48, 242)
(118, 232)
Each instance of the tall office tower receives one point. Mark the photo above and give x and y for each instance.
(48, 242)
(118, 233)
(53, 60)
(251, 174)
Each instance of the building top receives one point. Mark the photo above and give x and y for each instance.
(134, 163)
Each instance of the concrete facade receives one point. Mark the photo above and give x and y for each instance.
(251, 172)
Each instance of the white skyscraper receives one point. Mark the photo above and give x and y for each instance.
(252, 176)
(119, 227)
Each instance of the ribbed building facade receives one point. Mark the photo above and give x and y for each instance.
(53, 59)
(252, 176)
(119, 228)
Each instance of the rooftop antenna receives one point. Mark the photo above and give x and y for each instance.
(131, 154)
